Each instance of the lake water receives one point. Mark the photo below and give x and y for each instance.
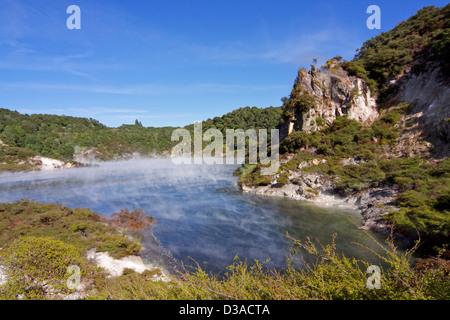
(202, 215)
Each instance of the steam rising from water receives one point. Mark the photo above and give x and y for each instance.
(201, 213)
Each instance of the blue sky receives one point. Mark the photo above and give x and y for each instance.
(173, 62)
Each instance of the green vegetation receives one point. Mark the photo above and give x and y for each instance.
(33, 264)
(425, 198)
(384, 57)
(40, 241)
(244, 118)
(354, 157)
(301, 101)
(332, 277)
(345, 137)
(16, 159)
(251, 175)
(355, 69)
(60, 137)
(424, 188)
(82, 228)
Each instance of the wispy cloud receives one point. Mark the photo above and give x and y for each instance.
(34, 37)
(23, 58)
(62, 87)
(140, 89)
(104, 110)
(157, 116)
(297, 50)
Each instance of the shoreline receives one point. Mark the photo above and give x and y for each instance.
(373, 204)
(43, 164)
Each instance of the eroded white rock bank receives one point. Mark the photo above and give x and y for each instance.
(373, 203)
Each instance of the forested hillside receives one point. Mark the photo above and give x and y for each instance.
(245, 118)
(426, 35)
(61, 137)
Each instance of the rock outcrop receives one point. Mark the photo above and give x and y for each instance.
(426, 89)
(335, 94)
(314, 187)
(319, 97)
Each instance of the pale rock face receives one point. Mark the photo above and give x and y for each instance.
(335, 94)
(423, 131)
(364, 107)
(428, 96)
(44, 163)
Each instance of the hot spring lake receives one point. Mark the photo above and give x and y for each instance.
(202, 215)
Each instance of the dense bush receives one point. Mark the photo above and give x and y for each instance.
(332, 277)
(37, 267)
(250, 175)
(423, 189)
(355, 69)
(424, 202)
(244, 118)
(60, 137)
(82, 228)
(390, 53)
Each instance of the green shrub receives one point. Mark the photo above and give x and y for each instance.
(282, 180)
(119, 247)
(82, 228)
(320, 121)
(332, 277)
(356, 69)
(293, 163)
(35, 267)
(295, 141)
(390, 53)
(357, 177)
(254, 177)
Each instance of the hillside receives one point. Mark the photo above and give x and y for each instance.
(373, 132)
(63, 137)
(25, 139)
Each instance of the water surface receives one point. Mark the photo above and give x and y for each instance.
(202, 215)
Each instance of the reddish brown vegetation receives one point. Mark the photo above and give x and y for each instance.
(134, 220)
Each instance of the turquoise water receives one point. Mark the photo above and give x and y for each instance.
(202, 215)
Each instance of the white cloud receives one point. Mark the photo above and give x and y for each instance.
(140, 89)
(103, 110)
(296, 50)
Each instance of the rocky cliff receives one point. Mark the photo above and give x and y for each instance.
(373, 203)
(321, 96)
(334, 93)
(426, 88)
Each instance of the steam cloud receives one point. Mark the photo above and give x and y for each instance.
(201, 213)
